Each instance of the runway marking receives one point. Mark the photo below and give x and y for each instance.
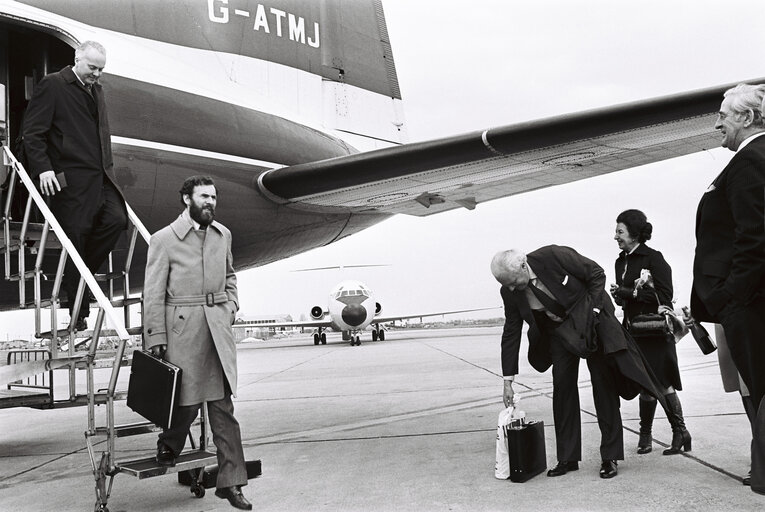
(42, 464)
(295, 436)
(288, 368)
(696, 366)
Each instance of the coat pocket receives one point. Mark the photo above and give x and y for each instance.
(715, 268)
(179, 319)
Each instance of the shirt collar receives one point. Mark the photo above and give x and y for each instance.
(634, 249)
(748, 140)
(78, 78)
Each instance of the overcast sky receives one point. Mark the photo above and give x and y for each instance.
(464, 66)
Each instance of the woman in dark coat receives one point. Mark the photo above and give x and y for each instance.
(632, 231)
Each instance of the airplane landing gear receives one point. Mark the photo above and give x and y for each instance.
(378, 334)
(355, 340)
(323, 338)
(316, 338)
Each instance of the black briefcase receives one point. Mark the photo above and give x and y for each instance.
(154, 388)
(526, 448)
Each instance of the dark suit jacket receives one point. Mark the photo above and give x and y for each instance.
(569, 276)
(643, 257)
(730, 236)
(66, 129)
(572, 279)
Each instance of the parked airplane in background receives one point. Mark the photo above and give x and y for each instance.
(351, 308)
(276, 100)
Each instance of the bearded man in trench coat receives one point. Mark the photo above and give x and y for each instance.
(190, 302)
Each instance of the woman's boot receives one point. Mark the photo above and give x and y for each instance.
(647, 410)
(681, 438)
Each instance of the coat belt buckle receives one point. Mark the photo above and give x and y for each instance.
(210, 299)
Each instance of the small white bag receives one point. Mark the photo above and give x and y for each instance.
(507, 417)
(502, 466)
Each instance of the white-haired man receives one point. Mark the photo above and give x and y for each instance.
(561, 295)
(729, 265)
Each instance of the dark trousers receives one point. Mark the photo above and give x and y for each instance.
(227, 437)
(744, 327)
(566, 409)
(93, 238)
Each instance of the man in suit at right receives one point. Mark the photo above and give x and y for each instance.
(729, 265)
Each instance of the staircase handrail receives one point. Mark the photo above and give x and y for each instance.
(10, 159)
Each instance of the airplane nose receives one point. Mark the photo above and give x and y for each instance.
(354, 314)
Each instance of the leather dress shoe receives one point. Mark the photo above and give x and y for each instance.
(563, 467)
(165, 456)
(608, 469)
(234, 496)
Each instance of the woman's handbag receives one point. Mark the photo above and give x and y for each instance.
(651, 325)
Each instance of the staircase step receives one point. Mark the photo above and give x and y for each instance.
(100, 397)
(80, 400)
(130, 429)
(63, 333)
(29, 274)
(31, 304)
(147, 467)
(118, 303)
(109, 276)
(104, 362)
(11, 248)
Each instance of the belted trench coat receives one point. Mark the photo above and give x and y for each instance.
(190, 301)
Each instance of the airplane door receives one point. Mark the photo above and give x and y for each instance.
(26, 55)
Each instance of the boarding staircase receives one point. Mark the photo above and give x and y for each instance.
(26, 247)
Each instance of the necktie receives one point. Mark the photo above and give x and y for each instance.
(548, 302)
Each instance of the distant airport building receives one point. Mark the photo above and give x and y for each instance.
(243, 326)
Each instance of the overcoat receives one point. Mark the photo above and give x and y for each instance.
(66, 129)
(730, 236)
(660, 353)
(187, 265)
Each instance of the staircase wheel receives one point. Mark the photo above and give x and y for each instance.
(197, 490)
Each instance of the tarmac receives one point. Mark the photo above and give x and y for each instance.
(408, 423)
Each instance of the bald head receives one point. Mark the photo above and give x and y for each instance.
(510, 269)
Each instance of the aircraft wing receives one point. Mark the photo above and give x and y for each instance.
(462, 171)
(385, 319)
(299, 323)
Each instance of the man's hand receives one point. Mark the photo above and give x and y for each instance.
(158, 351)
(49, 184)
(508, 393)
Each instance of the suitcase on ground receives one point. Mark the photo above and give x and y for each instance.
(154, 388)
(210, 476)
(526, 449)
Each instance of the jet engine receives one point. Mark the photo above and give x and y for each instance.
(317, 312)
(378, 308)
